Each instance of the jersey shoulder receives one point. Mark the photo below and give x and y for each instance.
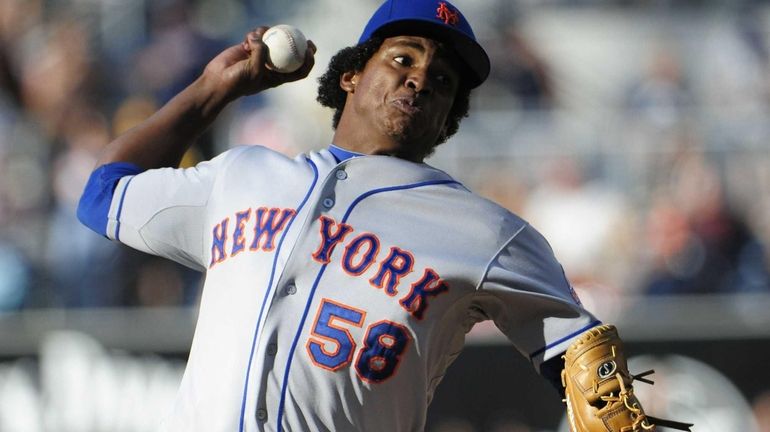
(478, 210)
(256, 155)
(253, 164)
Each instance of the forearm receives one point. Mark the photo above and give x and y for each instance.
(162, 139)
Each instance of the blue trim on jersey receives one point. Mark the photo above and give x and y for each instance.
(270, 284)
(120, 209)
(340, 154)
(94, 205)
(320, 274)
(569, 336)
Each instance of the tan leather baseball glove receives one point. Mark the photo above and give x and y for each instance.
(598, 387)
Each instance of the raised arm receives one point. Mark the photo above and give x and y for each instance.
(162, 139)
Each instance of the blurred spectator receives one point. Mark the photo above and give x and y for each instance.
(14, 278)
(522, 70)
(519, 70)
(761, 410)
(176, 53)
(58, 69)
(84, 270)
(698, 242)
(588, 225)
(499, 182)
(734, 68)
(661, 97)
(50, 157)
(18, 18)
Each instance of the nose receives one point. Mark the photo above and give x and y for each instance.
(418, 80)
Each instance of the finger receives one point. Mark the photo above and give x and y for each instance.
(257, 51)
(227, 58)
(253, 39)
(307, 66)
(256, 34)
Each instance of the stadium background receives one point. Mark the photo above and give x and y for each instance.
(634, 134)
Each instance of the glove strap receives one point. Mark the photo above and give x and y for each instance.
(670, 424)
(655, 420)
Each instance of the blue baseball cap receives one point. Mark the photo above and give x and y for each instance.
(436, 19)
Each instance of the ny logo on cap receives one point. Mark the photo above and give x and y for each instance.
(447, 15)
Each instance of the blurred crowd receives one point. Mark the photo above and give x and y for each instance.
(638, 143)
(72, 76)
(635, 137)
(670, 194)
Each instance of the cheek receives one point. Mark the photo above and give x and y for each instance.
(377, 89)
(369, 94)
(442, 113)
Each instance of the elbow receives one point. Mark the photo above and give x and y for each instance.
(94, 206)
(92, 211)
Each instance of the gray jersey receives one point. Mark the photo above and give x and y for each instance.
(337, 294)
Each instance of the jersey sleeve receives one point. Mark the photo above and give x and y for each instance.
(526, 293)
(163, 211)
(94, 205)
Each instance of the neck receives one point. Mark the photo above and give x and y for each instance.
(371, 143)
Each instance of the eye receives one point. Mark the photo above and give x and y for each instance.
(444, 79)
(403, 60)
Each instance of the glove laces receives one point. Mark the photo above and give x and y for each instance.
(641, 421)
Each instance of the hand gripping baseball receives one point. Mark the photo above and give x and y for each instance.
(598, 387)
(241, 69)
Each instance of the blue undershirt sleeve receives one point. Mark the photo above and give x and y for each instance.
(94, 205)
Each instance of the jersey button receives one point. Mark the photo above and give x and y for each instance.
(341, 175)
(290, 289)
(328, 203)
(261, 414)
(272, 349)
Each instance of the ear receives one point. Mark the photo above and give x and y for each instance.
(348, 81)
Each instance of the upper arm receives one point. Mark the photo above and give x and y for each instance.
(160, 211)
(530, 299)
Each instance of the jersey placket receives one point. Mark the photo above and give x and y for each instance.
(276, 342)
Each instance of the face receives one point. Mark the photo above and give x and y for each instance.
(401, 100)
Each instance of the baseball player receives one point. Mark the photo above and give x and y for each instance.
(340, 284)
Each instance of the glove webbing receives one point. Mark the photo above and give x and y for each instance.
(641, 420)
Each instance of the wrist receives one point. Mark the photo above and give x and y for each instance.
(209, 96)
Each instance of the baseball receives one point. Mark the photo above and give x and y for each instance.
(286, 48)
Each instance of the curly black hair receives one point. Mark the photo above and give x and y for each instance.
(354, 58)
